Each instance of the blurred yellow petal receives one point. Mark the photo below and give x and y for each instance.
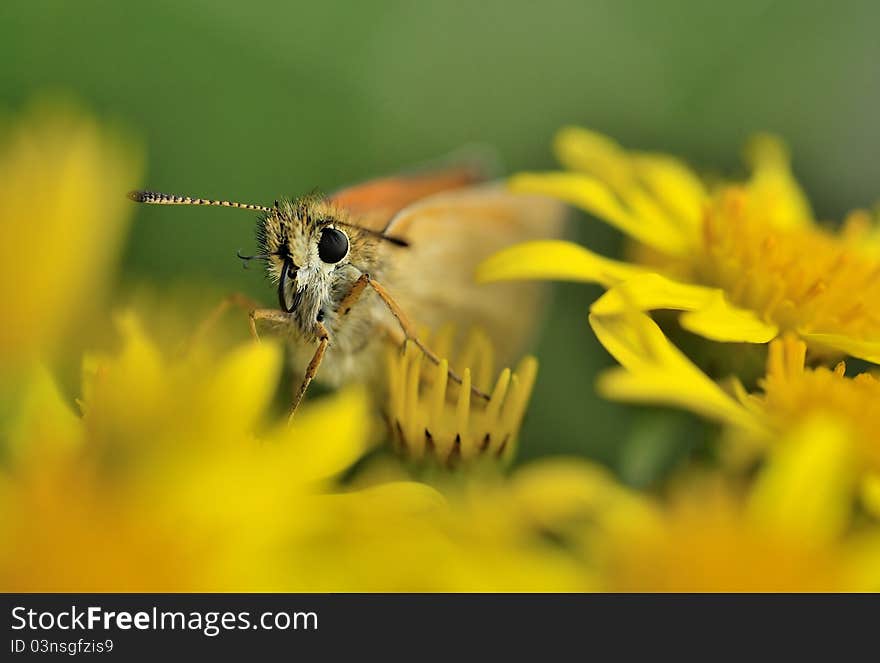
(655, 371)
(62, 180)
(863, 561)
(720, 320)
(657, 188)
(642, 223)
(553, 259)
(327, 437)
(590, 152)
(122, 395)
(140, 402)
(806, 488)
(708, 312)
(861, 230)
(649, 291)
(251, 372)
(675, 186)
(870, 494)
(560, 485)
(42, 424)
(854, 347)
(409, 496)
(137, 364)
(564, 489)
(704, 541)
(773, 190)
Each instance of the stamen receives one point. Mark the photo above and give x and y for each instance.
(442, 421)
(800, 277)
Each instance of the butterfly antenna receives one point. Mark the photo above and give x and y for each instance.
(155, 198)
(397, 241)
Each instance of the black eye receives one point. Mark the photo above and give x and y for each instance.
(332, 246)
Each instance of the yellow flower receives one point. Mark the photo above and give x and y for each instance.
(743, 262)
(179, 477)
(791, 527)
(787, 532)
(653, 370)
(431, 418)
(487, 533)
(62, 221)
(161, 484)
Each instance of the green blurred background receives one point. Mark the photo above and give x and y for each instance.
(258, 100)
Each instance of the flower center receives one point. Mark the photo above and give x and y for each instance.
(803, 279)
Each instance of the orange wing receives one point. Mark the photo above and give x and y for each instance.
(374, 203)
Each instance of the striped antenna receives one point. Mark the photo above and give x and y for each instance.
(154, 198)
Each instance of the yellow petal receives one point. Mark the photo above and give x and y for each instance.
(593, 196)
(863, 561)
(870, 493)
(655, 371)
(721, 321)
(554, 489)
(807, 486)
(399, 497)
(649, 291)
(675, 186)
(854, 347)
(326, 437)
(772, 188)
(144, 396)
(244, 384)
(42, 424)
(131, 382)
(709, 314)
(592, 153)
(62, 221)
(656, 187)
(564, 489)
(861, 230)
(553, 260)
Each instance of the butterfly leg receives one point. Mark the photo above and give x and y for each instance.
(357, 289)
(270, 314)
(236, 300)
(245, 303)
(311, 369)
(255, 313)
(351, 297)
(410, 332)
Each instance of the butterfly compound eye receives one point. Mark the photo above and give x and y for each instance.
(333, 245)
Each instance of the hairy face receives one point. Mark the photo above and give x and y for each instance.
(313, 254)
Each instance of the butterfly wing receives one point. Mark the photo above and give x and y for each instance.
(452, 232)
(376, 202)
